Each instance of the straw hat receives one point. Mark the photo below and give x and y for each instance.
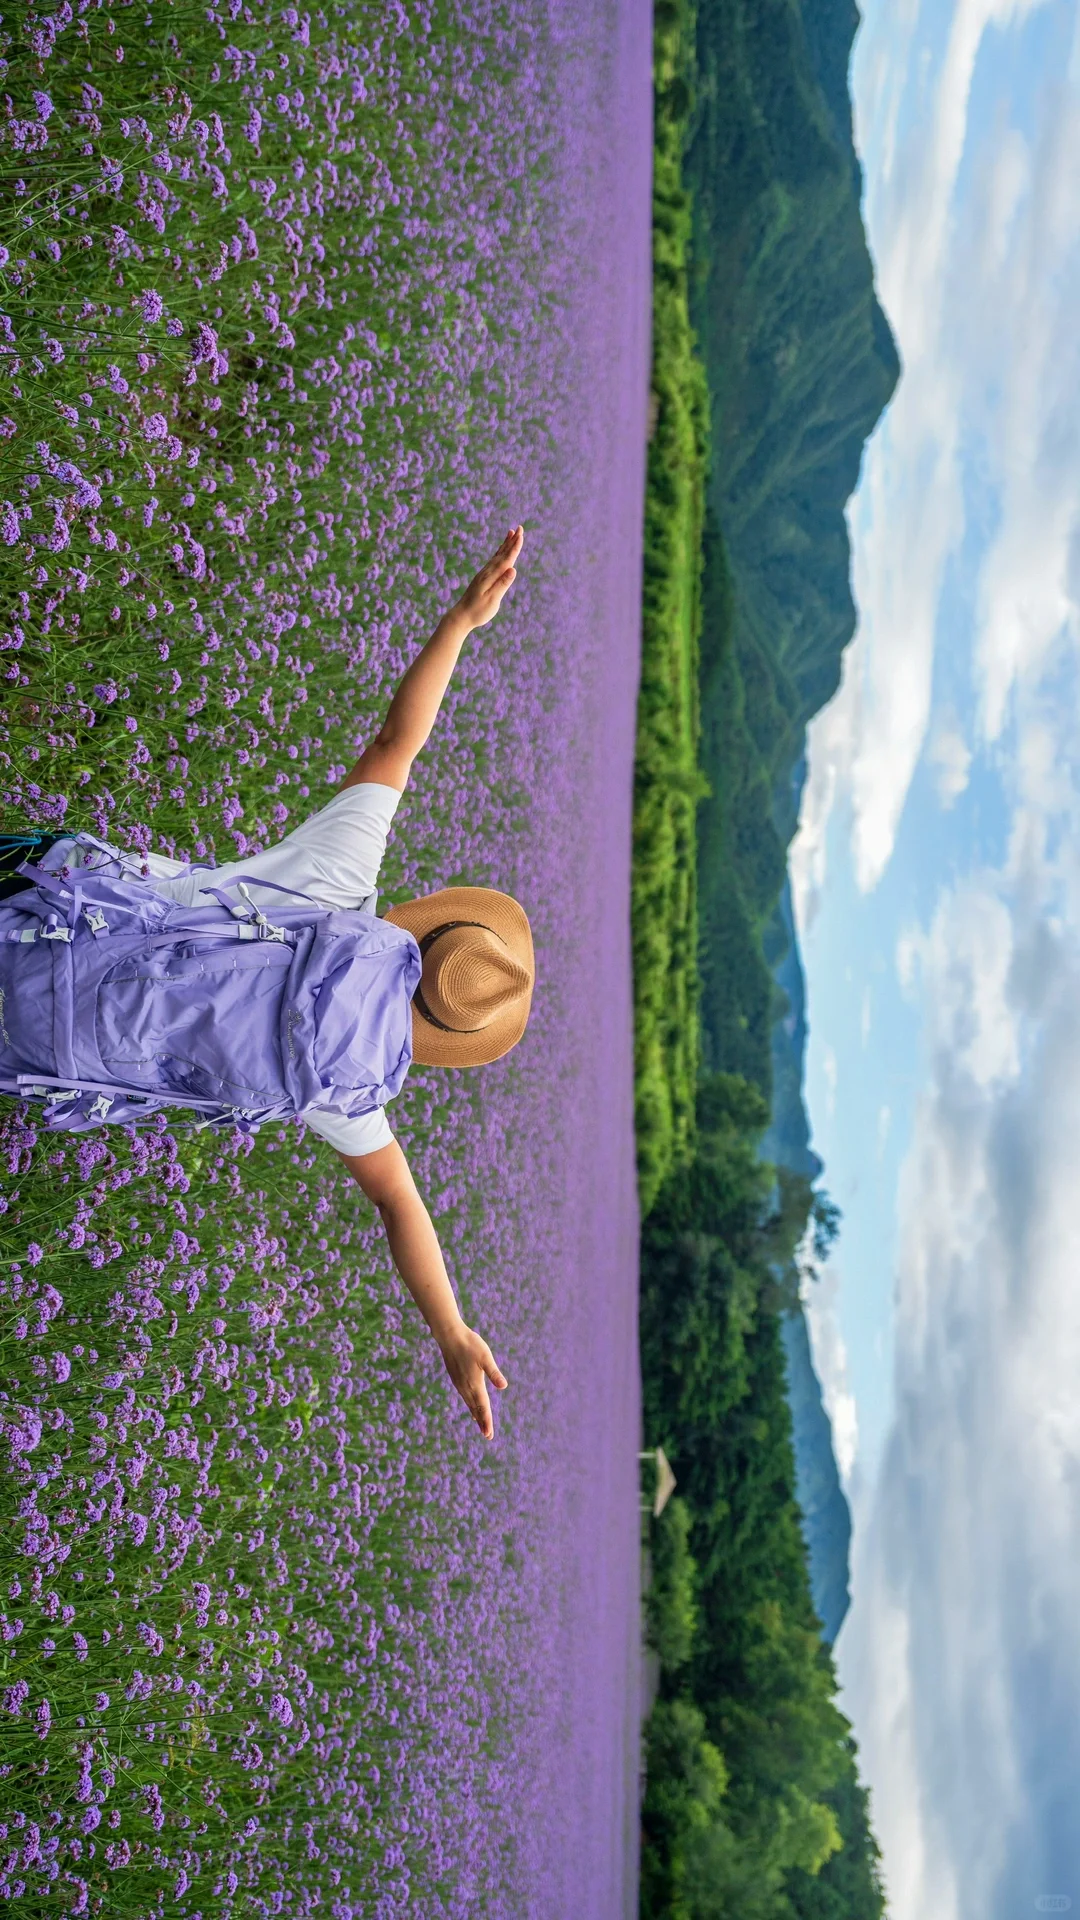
(475, 992)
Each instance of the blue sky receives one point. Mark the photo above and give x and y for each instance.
(936, 876)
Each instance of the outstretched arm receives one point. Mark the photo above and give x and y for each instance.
(386, 1178)
(415, 706)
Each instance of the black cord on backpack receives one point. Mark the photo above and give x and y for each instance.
(14, 849)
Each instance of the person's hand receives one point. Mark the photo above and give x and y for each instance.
(468, 1360)
(482, 598)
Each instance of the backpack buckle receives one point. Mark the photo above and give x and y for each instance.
(96, 920)
(266, 930)
(56, 933)
(258, 929)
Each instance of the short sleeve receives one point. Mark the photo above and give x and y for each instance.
(340, 848)
(334, 855)
(364, 1134)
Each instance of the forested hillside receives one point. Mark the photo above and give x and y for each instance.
(754, 1808)
(800, 363)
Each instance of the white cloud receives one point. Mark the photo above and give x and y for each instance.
(959, 1660)
(884, 1123)
(820, 1297)
(968, 962)
(908, 949)
(950, 757)
(967, 1551)
(1030, 577)
(915, 1880)
(829, 1069)
(865, 1016)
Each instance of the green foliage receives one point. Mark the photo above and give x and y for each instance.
(752, 1703)
(753, 1808)
(670, 1605)
(668, 783)
(800, 363)
(727, 1104)
(740, 859)
(694, 1865)
(686, 1783)
(799, 357)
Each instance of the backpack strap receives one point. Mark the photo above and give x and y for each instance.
(55, 1090)
(267, 931)
(256, 880)
(48, 883)
(71, 889)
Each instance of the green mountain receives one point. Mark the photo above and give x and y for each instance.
(826, 1517)
(800, 364)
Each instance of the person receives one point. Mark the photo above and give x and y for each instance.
(475, 991)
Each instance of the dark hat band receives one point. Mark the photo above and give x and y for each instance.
(425, 943)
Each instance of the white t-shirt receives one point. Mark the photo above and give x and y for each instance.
(334, 856)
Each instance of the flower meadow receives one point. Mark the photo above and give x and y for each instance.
(299, 311)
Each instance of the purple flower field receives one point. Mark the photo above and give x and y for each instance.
(299, 311)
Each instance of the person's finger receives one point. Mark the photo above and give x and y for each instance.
(492, 1370)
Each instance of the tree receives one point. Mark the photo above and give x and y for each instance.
(670, 1604)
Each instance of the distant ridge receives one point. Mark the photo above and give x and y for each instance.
(826, 1515)
(801, 363)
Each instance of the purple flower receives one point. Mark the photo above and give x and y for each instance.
(9, 524)
(204, 344)
(60, 536)
(24, 1435)
(339, 473)
(281, 1710)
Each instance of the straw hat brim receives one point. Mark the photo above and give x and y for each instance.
(501, 914)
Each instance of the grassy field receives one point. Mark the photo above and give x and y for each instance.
(668, 784)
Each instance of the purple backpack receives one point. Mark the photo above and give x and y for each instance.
(117, 1001)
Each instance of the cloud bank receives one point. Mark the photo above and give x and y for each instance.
(959, 1658)
(960, 1661)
